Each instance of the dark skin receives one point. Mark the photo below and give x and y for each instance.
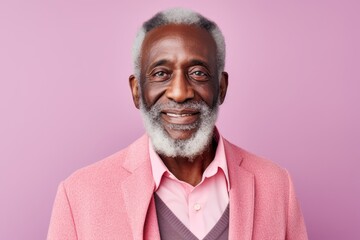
(179, 64)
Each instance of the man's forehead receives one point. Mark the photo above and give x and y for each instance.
(165, 38)
(190, 32)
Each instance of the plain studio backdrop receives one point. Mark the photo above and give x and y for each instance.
(293, 97)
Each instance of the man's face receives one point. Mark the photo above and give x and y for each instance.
(179, 64)
(179, 79)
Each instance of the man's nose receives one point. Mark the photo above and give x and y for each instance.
(180, 90)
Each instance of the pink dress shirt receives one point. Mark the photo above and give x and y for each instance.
(200, 207)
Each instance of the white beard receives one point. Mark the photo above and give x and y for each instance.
(188, 148)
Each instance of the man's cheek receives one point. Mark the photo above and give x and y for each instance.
(153, 94)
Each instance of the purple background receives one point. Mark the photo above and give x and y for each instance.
(293, 97)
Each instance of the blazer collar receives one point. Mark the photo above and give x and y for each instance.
(242, 195)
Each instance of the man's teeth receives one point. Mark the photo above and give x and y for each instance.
(178, 115)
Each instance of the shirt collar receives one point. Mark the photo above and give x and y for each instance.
(219, 162)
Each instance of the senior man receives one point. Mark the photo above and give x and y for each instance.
(182, 180)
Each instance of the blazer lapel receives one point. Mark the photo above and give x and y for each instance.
(242, 194)
(138, 191)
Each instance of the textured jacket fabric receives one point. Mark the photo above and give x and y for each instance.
(114, 199)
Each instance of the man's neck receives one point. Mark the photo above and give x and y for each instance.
(191, 170)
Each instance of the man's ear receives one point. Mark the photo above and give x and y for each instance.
(134, 87)
(223, 86)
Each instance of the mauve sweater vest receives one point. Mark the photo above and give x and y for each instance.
(172, 228)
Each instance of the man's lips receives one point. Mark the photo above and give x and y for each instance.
(180, 117)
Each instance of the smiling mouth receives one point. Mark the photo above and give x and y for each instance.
(176, 115)
(181, 117)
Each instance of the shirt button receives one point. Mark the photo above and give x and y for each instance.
(197, 207)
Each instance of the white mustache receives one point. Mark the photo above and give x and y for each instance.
(194, 106)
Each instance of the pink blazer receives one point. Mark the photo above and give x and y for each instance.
(113, 199)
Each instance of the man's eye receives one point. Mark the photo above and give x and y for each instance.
(160, 76)
(199, 75)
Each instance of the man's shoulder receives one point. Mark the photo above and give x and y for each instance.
(259, 166)
(108, 170)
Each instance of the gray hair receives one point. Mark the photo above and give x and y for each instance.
(179, 16)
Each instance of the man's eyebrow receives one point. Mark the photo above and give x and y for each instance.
(199, 62)
(192, 62)
(158, 63)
